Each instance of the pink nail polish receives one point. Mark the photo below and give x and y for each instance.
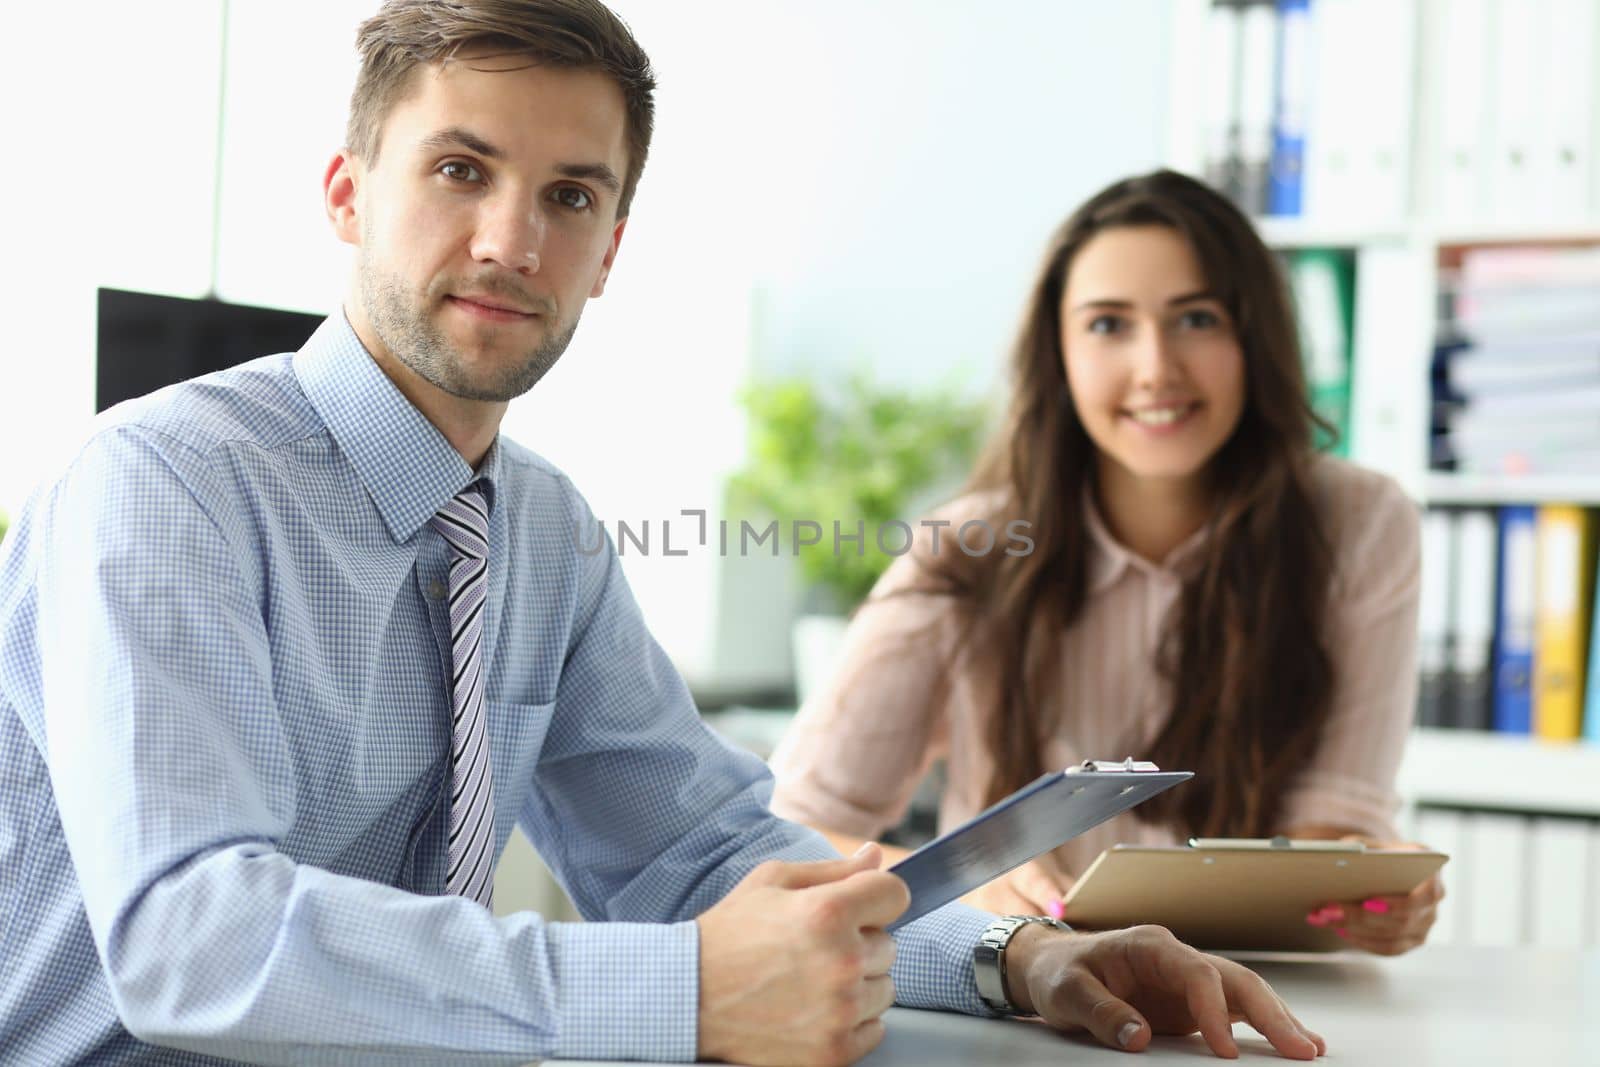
(1316, 919)
(1376, 906)
(1342, 933)
(1332, 913)
(1056, 909)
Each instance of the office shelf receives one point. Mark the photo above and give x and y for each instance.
(1289, 233)
(1503, 772)
(1446, 768)
(1532, 489)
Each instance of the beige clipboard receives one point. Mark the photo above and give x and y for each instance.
(1240, 894)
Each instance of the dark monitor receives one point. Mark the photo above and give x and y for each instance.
(144, 342)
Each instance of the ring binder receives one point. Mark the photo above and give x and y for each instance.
(1276, 844)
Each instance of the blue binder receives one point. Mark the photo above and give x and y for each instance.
(1290, 113)
(1513, 638)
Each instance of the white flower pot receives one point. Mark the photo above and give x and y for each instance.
(817, 642)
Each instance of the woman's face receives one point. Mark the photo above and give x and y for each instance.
(1155, 370)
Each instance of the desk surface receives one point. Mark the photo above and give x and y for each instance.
(1434, 1006)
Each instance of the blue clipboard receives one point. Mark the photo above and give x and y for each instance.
(1040, 816)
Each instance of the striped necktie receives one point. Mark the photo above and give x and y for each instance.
(464, 523)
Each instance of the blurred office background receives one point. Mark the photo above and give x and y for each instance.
(842, 189)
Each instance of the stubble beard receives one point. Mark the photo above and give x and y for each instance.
(403, 325)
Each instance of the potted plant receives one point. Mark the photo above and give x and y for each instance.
(863, 455)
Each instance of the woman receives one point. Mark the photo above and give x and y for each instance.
(1203, 588)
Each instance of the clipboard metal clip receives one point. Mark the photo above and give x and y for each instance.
(1116, 766)
(1280, 843)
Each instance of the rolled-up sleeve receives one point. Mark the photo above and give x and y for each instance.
(1372, 637)
(856, 751)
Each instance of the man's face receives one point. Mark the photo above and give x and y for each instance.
(488, 220)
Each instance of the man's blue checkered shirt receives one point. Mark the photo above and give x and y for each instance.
(223, 747)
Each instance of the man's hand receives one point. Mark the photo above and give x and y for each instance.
(794, 963)
(1035, 888)
(1124, 985)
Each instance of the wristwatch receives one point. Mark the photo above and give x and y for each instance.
(989, 959)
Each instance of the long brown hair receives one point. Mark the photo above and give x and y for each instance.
(1243, 651)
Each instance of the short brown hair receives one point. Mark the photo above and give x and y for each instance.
(579, 34)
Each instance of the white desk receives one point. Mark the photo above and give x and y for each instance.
(1455, 1006)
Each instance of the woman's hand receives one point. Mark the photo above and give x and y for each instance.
(1035, 888)
(1387, 925)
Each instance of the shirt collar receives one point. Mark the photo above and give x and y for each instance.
(1109, 558)
(405, 463)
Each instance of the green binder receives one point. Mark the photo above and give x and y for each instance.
(1323, 283)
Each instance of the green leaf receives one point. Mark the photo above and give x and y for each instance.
(861, 452)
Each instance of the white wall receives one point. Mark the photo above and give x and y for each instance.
(876, 176)
(291, 66)
(919, 153)
(107, 180)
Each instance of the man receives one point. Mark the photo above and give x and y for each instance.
(288, 650)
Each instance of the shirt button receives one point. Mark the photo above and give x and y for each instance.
(436, 590)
